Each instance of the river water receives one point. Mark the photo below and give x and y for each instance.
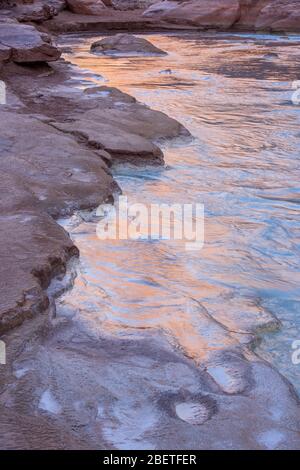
(234, 95)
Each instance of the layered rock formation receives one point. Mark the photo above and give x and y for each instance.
(279, 15)
(215, 13)
(132, 4)
(274, 15)
(269, 15)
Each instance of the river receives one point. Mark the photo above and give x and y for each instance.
(157, 347)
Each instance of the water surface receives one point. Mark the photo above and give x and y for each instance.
(234, 95)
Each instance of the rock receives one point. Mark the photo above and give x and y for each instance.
(86, 7)
(110, 95)
(249, 10)
(38, 178)
(125, 44)
(275, 15)
(126, 131)
(27, 44)
(32, 249)
(215, 13)
(5, 52)
(36, 12)
(59, 178)
(279, 15)
(131, 4)
(59, 5)
(124, 146)
(53, 162)
(161, 8)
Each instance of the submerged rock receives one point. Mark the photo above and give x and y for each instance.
(125, 44)
(37, 12)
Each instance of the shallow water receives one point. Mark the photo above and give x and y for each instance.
(243, 165)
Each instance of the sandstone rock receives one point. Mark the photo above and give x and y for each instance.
(86, 7)
(27, 44)
(123, 145)
(215, 13)
(36, 12)
(250, 10)
(32, 249)
(279, 15)
(125, 44)
(61, 177)
(59, 5)
(38, 178)
(54, 164)
(5, 52)
(131, 4)
(161, 8)
(127, 131)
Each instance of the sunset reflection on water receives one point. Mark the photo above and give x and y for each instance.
(243, 165)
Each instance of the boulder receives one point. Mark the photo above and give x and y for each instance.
(59, 178)
(26, 44)
(125, 44)
(199, 13)
(161, 8)
(5, 53)
(279, 15)
(86, 7)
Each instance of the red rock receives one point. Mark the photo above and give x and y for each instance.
(125, 44)
(131, 4)
(5, 52)
(280, 15)
(36, 12)
(27, 44)
(86, 7)
(215, 13)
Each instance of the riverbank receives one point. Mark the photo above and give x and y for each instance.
(90, 131)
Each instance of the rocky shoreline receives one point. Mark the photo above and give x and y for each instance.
(57, 146)
(42, 180)
(140, 15)
(40, 106)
